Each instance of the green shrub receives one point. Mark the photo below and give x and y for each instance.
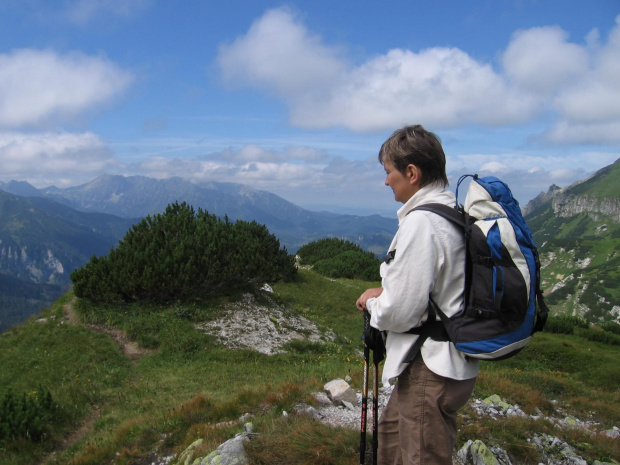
(26, 416)
(612, 327)
(324, 249)
(564, 324)
(337, 258)
(179, 255)
(351, 265)
(598, 335)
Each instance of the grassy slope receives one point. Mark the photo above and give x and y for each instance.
(177, 393)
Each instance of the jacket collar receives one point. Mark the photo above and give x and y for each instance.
(433, 193)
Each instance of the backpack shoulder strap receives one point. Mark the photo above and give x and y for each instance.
(453, 214)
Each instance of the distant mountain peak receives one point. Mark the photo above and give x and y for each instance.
(21, 188)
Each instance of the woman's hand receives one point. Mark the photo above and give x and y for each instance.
(368, 294)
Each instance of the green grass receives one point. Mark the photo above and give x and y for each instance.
(186, 383)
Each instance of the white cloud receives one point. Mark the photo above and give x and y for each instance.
(280, 55)
(439, 86)
(528, 175)
(38, 86)
(596, 98)
(569, 132)
(254, 153)
(494, 167)
(319, 181)
(45, 156)
(541, 60)
(543, 74)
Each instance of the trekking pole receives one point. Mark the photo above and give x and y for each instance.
(364, 392)
(375, 404)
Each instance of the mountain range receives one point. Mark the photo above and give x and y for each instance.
(46, 233)
(139, 196)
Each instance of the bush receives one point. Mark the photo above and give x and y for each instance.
(597, 335)
(25, 416)
(564, 324)
(337, 258)
(324, 249)
(179, 255)
(611, 327)
(352, 265)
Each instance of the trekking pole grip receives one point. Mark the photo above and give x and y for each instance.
(366, 321)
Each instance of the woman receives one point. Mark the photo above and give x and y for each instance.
(418, 426)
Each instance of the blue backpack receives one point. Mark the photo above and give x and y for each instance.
(502, 277)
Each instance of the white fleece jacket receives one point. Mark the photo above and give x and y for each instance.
(429, 260)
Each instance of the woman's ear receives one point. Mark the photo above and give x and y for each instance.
(413, 173)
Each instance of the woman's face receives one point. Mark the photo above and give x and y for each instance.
(402, 184)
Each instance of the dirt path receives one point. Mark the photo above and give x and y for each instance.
(130, 349)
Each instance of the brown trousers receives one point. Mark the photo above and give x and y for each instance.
(418, 425)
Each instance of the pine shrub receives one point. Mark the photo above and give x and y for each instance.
(324, 249)
(26, 416)
(350, 264)
(337, 258)
(612, 327)
(180, 255)
(599, 335)
(564, 324)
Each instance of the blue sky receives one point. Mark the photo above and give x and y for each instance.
(297, 97)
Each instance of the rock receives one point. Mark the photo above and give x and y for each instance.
(338, 390)
(463, 452)
(188, 454)
(556, 451)
(232, 452)
(322, 399)
(497, 402)
(481, 455)
(348, 405)
(307, 410)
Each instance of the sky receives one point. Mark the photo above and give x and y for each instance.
(296, 97)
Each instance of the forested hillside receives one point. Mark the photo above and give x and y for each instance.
(41, 243)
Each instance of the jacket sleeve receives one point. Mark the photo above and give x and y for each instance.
(408, 279)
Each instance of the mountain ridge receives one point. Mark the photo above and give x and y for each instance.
(567, 201)
(139, 196)
(577, 230)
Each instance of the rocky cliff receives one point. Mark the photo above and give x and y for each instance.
(567, 204)
(579, 198)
